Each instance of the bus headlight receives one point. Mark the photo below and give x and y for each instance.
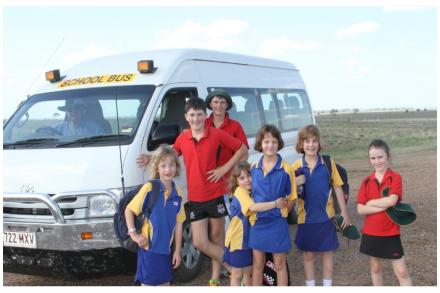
(101, 206)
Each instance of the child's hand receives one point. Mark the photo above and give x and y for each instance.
(143, 160)
(216, 174)
(346, 221)
(176, 259)
(281, 203)
(140, 240)
(300, 180)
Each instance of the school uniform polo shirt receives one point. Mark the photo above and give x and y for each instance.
(379, 224)
(316, 204)
(232, 127)
(278, 182)
(237, 235)
(166, 211)
(203, 156)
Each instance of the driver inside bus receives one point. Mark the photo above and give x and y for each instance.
(76, 123)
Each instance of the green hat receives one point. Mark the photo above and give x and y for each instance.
(219, 93)
(351, 232)
(401, 214)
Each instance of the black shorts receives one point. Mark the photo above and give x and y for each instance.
(215, 208)
(387, 247)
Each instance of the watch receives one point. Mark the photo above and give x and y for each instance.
(131, 230)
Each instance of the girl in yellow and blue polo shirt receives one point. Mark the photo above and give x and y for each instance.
(316, 232)
(154, 262)
(237, 253)
(272, 178)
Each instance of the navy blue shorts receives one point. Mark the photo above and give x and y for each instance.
(238, 258)
(317, 237)
(153, 269)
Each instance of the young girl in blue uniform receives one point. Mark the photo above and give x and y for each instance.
(316, 232)
(237, 254)
(272, 178)
(154, 262)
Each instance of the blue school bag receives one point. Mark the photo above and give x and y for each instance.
(119, 223)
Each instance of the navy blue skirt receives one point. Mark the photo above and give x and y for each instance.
(270, 235)
(153, 269)
(240, 258)
(317, 237)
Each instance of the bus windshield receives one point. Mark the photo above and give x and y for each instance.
(83, 117)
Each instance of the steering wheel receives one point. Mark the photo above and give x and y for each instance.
(48, 131)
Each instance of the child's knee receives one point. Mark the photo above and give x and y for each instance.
(280, 265)
(258, 263)
(200, 244)
(309, 256)
(401, 272)
(376, 267)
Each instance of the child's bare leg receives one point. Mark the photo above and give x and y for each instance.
(280, 265)
(401, 272)
(309, 265)
(247, 276)
(217, 236)
(236, 276)
(259, 260)
(327, 265)
(376, 271)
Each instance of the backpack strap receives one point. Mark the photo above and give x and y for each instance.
(328, 165)
(149, 202)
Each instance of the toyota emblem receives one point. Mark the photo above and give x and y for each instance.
(27, 188)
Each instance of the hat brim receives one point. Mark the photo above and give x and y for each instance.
(401, 214)
(218, 94)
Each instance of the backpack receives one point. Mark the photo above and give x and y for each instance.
(269, 273)
(119, 223)
(345, 187)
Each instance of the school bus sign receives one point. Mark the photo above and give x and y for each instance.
(98, 79)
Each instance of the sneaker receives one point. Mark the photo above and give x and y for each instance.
(214, 282)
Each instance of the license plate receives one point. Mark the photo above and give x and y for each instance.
(19, 239)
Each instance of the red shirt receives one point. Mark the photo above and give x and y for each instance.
(200, 157)
(379, 224)
(232, 127)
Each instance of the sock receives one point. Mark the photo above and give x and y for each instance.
(310, 282)
(326, 283)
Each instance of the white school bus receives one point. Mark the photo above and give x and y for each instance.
(62, 186)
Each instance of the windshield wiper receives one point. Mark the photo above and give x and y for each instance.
(93, 139)
(30, 142)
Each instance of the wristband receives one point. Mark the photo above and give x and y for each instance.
(275, 203)
(131, 230)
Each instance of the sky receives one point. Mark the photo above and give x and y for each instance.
(349, 56)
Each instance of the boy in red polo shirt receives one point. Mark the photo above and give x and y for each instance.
(200, 147)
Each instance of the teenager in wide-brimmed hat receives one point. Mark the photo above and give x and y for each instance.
(378, 196)
(219, 101)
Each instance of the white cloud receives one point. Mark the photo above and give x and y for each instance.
(217, 35)
(402, 8)
(403, 43)
(363, 71)
(89, 52)
(350, 62)
(357, 28)
(282, 45)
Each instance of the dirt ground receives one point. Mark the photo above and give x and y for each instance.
(419, 172)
